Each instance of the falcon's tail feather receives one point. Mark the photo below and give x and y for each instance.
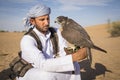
(100, 49)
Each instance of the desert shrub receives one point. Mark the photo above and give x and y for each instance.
(3, 31)
(114, 29)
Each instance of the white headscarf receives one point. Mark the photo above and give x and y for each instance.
(36, 11)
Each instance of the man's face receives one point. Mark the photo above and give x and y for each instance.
(41, 23)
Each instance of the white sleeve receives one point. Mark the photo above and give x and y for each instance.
(33, 55)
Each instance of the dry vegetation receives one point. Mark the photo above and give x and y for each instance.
(114, 29)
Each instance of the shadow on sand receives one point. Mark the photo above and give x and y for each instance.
(5, 74)
(88, 73)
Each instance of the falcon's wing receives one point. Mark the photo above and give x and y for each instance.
(72, 36)
(73, 25)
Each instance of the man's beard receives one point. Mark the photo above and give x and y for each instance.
(43, 29)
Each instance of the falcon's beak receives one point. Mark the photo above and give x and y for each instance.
(55, 21)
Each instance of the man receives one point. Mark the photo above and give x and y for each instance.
(45, 66)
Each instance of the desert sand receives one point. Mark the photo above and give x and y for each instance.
(104, 66)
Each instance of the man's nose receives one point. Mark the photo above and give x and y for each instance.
(46, 22)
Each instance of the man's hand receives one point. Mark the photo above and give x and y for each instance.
(79, 55)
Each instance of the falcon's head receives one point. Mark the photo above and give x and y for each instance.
(62, 20)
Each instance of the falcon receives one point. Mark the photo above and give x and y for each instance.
(75, 34)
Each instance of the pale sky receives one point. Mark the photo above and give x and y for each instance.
(85, 12)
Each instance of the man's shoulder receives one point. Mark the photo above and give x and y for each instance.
(27, 38)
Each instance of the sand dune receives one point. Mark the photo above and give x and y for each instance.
(104, 66)
(110, 61)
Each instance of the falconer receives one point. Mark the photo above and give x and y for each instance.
(45, 65)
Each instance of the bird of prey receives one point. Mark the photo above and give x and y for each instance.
(75, 34)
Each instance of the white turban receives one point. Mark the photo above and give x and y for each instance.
(36, 11)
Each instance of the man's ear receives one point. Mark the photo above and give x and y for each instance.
(32, 21)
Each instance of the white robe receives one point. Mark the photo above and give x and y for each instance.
(46, 67)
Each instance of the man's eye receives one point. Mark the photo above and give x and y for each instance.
(41, 19)
(47, 18)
